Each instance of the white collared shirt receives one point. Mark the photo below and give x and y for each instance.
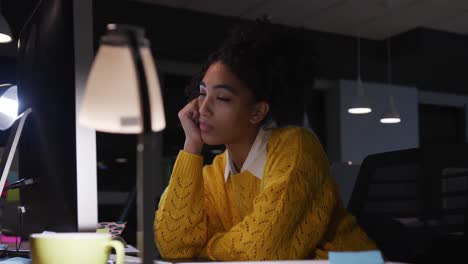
(255, 161)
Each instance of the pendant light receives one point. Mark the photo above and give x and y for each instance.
(5, 31)
(360, 102)
(391, 116)
(305, 118)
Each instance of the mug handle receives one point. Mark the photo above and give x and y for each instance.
(119, 251)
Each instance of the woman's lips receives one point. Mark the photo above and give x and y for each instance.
(204, 127)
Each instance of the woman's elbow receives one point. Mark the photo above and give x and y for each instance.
(176, 250)
(174, 247)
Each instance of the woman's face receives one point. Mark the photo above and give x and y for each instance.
(227, 108)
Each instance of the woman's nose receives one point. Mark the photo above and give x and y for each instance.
(204, 106)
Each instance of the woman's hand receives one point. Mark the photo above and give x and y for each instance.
(188, 117)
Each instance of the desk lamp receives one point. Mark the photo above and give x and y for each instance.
(8, 116)
(123, 96)
(8, 106)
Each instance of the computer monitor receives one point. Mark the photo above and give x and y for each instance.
(48, 148)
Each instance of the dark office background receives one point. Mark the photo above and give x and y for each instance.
(427, 59)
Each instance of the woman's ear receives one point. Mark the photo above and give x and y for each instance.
(260, 111)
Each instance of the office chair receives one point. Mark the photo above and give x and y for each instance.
(412, 201)
(388, 201)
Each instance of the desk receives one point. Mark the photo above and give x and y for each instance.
(133, 260)
(22, 252)
(259, 262)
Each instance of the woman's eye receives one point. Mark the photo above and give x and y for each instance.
(224, 99)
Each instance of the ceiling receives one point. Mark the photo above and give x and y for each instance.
(373, 19)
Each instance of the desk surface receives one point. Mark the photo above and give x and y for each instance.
(262, 262)
(132, 260)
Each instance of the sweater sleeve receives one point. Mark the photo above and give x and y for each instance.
(290, 215)
(184, 215)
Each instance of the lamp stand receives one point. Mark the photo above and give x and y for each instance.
(147, 158)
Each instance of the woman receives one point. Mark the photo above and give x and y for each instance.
(270, 194)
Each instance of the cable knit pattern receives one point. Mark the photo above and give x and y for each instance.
(294, 212)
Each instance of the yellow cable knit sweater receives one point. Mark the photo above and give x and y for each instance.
(294, 212)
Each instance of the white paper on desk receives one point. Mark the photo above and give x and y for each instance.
(127, 259)
(131, 249)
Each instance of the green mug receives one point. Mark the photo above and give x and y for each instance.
(74, 248)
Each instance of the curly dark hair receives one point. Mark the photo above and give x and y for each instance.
(272, 61)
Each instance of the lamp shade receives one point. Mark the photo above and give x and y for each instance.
(5, 32)
(360, 102)
(391, 116)
(8, 107)
(111, 102)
